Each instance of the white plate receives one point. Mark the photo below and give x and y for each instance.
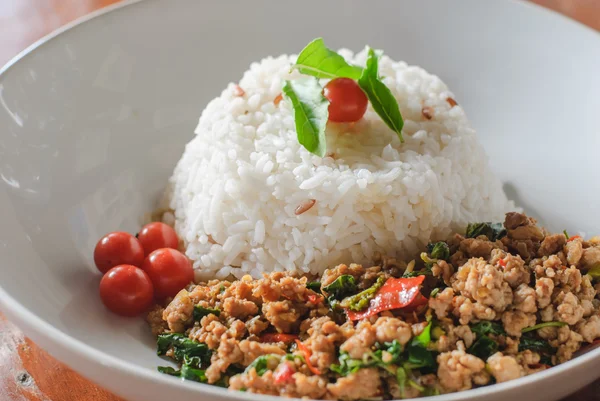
(94, 117)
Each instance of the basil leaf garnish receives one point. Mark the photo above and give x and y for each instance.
(319, 61)
(310, 113)
(383, 101)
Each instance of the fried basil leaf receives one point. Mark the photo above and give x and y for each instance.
(184, 349)
(438, 250)
(494, 231)
(483, 347)
(200, 312)
(341, 287)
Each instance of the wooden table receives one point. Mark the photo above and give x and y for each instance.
(27, 373)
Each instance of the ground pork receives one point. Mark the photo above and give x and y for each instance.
(239, 308)
(504, 368)
(456, 370)
(467, 310)
(360, 385)
(388, 329)
(574, 250)
(589, 329)
(253, 349)
(256, 325)
(524, 299)
(552, 244)
(361, 342)
(442, 269)
(567, 342)
(155, 319)
(442, 302)
(590, 257)
(477, 247)
(516, 320)
(568, 309)
(209, 332)
(179, 312)
(283, 315)
(483, 283)
(543, 290)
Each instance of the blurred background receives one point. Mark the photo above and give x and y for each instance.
(22, 22)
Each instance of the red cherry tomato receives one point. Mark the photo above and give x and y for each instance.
(347, 102)
(118, 248)
(154, 236)
(126, 290)
(169, 270)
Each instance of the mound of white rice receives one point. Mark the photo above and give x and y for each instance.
(238, 185)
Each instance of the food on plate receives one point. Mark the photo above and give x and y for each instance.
(495, 304)
(327, 234)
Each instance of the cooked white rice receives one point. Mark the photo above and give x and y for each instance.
(240, 180)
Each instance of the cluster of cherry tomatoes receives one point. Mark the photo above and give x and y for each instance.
(140, 269)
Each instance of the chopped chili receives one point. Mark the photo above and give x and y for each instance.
(396, 293)
(278, 338)
(284, 373)
(573, 238)
(307, 354)
(502, 262)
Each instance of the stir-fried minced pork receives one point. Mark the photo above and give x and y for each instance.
(492, 307)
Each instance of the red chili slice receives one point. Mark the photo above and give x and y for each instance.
(307, 354)
(277, 337)
(502, 262)
(573, 238)
(314, 299)
(396, 293)
(284, 373)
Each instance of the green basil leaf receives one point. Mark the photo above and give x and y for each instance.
(315, 286)
(169, 370)
(494, 231)
(341, 287)
(184, 349)
(483, 347)
(438, 250)
(383, 101)
(261, 364)
(347, 365)
(534, 344)
(420, 357)
(486, 327)
(200, 312)
(594, 272)
(401, 378)
(310, 113)
(193, 374)
(424, 338)
(321, 62)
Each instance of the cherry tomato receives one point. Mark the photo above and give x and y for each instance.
(169, 270)
(154, 236)
(118, 248)
(347, 102)
(126, 290)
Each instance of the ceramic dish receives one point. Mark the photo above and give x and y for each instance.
(94, 118)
